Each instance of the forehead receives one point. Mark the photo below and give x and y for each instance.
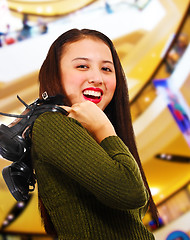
(87, 47)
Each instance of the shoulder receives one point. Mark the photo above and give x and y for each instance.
(53, 119)
(54, 123)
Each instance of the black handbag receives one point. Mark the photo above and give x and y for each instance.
(15, 145)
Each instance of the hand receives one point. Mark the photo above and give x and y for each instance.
(92, 118)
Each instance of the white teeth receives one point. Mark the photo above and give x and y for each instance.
(92, 93)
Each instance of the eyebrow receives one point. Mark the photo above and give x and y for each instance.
(87, 59)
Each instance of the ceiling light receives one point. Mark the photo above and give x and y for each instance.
(48, 9)
(20, 204)
(5, 223)
(39, 10)
(15, 212)
(19, 9)
(10, 216)
(154, 190)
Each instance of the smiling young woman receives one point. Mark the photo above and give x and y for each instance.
(90, 179)
(87, 72)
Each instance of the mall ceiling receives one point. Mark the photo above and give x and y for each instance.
(140, 53)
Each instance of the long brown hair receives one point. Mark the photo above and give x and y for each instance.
(118, 110)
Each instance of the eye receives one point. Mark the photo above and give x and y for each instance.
(106, 69)
(82, 66)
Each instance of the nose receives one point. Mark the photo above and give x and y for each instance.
(95, 78)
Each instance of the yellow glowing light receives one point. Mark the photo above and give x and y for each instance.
(19, 9)
(49, 9)
(147, 99)
(154, 191)
(39, 10)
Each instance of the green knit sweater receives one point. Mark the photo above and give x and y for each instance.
(91, 191)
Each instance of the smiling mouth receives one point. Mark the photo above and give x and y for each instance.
(92, 94)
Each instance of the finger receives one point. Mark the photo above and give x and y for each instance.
(76, 107)
(68, 109)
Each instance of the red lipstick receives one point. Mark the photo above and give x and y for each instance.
(93, 94)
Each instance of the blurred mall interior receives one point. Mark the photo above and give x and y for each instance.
(152, 39)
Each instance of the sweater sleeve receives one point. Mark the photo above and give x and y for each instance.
(107, 170)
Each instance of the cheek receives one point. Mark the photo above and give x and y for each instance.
(70, 82)
(111, 86)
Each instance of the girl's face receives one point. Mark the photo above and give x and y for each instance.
(87, 72)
